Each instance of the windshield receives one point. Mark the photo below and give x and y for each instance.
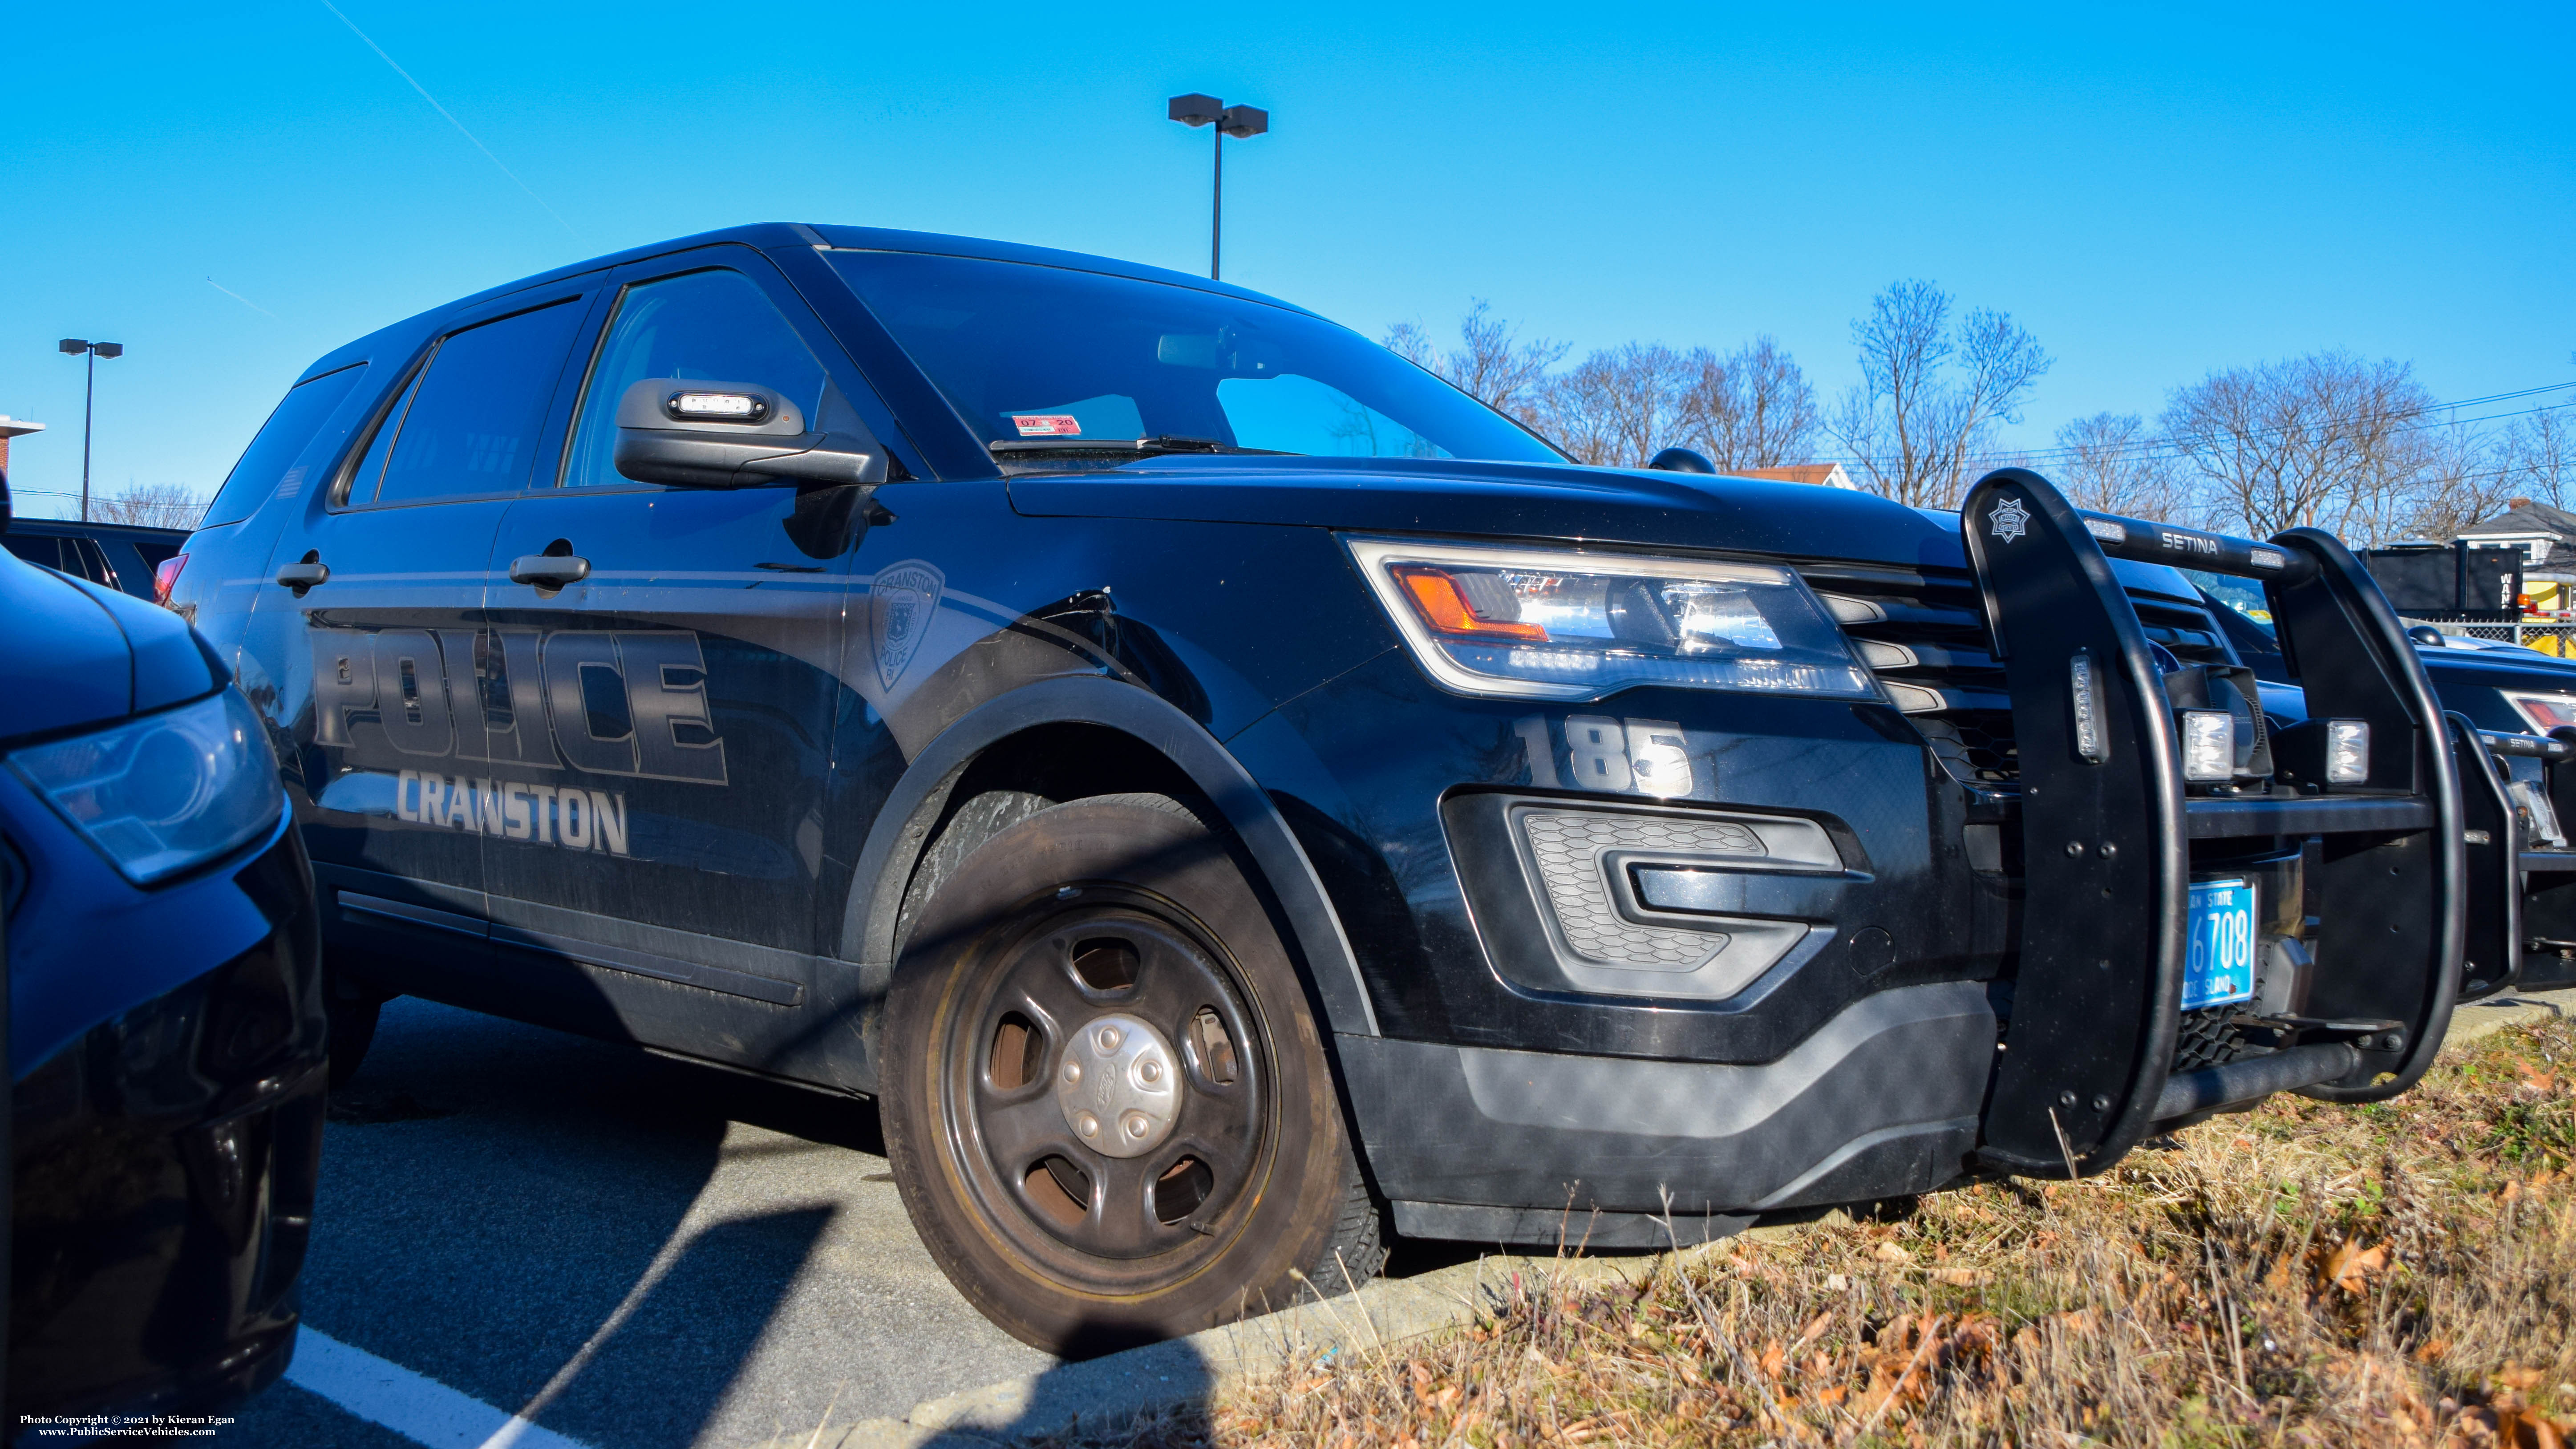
(1056, 358)
(2242, 596)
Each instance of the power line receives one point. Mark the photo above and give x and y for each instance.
(2166, 446)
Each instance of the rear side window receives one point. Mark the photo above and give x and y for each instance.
(37, 549)
(75, 556)
(307, 406)
(468, 423)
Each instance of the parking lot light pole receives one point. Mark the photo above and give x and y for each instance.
(75, 347)
(1236, 121)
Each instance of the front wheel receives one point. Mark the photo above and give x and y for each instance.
(1107, 1103)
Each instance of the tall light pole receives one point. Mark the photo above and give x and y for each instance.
(75, 347)
(1236, 121)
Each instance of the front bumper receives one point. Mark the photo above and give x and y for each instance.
(1882, 1100)
(1906, 974)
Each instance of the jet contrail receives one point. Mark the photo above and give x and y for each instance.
(245, 301)
(451, 119)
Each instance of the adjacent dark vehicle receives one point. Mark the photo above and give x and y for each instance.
(165, 1012)
(2517, 700)
(1224, 791)
(136, 560)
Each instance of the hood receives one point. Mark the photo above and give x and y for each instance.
(74, 653)
(2498, 670)
(1505, 500)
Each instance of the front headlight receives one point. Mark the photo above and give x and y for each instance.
(1556, 625)
(165, 792)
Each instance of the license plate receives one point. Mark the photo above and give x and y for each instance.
(2220, 966)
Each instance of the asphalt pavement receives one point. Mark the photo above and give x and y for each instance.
(636, 1252)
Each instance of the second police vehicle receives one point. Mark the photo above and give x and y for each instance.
(1227, 794)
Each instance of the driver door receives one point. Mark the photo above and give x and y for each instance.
(690, 682)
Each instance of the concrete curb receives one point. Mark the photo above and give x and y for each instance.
(1110, 1390)
(2484, 1018)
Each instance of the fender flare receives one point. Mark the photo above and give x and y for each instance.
(904, 823)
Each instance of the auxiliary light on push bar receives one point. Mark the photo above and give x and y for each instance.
(2208, 745)
(2090, 744)
(2347, 751)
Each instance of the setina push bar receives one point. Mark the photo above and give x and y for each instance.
(2354, 820)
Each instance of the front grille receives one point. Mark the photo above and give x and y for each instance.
(2186, 629)
(1923, 633)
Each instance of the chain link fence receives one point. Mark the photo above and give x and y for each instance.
(2548, 636)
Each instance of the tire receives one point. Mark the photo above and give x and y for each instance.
(1116, 935)
(352, 1009)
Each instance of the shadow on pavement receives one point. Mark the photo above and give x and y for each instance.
(534, 1220)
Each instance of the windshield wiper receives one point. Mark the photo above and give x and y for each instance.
(1141, 447)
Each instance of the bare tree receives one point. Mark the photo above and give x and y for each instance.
(1914, 428)
(1752, 408)
(2458, 481)
(1491, 362)
(2328, 440)
(2537, 456)
(2115, 463)
(151, 505)
(1620, 406)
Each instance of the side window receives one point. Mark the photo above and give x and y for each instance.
(36, 548)
(706, 326)
(308, 405)
(468, 423)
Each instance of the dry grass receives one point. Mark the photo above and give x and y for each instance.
(2302, 1274)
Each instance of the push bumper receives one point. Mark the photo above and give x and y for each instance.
(2519, 793)
(2096, 1054)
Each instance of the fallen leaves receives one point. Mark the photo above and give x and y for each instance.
(2340, 1283)
(2350, 1267)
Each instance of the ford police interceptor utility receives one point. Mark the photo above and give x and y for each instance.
(1225, 793)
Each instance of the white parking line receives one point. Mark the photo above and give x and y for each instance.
(416, 1406)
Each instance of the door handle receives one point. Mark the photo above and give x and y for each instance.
(549, 570)
(304, 573)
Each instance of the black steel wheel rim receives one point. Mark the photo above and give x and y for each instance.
(1063, 964)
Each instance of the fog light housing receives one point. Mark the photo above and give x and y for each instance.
(2347, 751)
(2208, 745)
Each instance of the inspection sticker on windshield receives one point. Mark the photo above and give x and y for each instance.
(2220, 965)
(1047, 425)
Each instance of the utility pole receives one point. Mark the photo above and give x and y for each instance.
(1236, 121)
(75, 347)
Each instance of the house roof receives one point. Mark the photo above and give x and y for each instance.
(2523, 519)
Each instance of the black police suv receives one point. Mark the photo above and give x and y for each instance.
(1224, 792)
(165, 1030)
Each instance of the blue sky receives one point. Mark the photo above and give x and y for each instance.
(2154, 191)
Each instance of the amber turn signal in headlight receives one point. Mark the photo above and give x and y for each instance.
(1553, 624)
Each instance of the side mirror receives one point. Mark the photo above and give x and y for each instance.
(693, 434)
(2428, 637)
(1681, 460)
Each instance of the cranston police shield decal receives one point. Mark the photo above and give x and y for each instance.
(901, 599)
